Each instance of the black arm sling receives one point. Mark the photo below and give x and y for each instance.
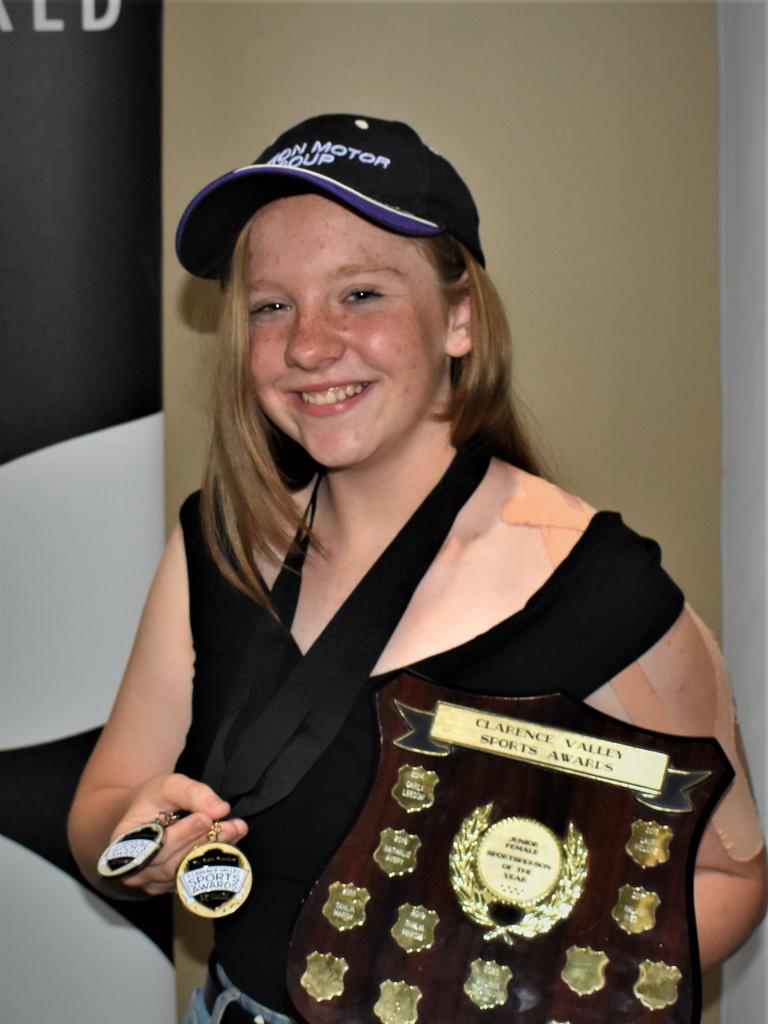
(285, 710)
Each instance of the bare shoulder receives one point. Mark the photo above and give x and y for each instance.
(505, 544)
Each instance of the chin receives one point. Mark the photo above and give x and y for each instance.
(338, 456)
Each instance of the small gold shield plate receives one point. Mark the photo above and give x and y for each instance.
(656, 985)
(415, 788)
(414, 929)
(396, 852)
(487, 983)
(584, 971)
(397, 1003)
(649, 842)
(345, 906)
(635, 910)
(324, 976)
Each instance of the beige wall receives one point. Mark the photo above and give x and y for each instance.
(588, 134)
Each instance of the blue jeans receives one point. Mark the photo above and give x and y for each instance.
(197, 1013)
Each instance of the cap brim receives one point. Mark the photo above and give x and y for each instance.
(212, 221)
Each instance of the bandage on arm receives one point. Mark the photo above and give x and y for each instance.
(681, 686)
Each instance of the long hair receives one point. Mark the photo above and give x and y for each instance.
(253, 467)
(482, 406)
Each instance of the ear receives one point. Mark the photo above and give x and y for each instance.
(458, 339)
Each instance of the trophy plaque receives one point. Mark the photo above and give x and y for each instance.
(521, 859)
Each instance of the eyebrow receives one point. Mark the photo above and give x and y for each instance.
(350, 269)
(346, 270)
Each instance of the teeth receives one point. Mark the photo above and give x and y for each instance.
(332, 395)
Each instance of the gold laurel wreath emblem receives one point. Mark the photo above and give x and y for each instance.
(475, 899)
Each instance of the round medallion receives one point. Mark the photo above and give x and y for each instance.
(214, 879)
(131, 851)
(519, 861)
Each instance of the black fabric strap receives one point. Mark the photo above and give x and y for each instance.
(286, 709)
(284, 595)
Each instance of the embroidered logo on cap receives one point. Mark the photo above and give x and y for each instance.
(318, 152)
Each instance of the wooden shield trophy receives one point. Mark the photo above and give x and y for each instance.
(518, 859)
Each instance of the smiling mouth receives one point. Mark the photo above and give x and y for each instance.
(334, 395)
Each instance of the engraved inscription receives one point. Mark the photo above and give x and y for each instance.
(635, 910)
(396, 852)
(648, 845)
(345, 906)
(415, 788)
(520, 861)
(575, 753)
(414, 929)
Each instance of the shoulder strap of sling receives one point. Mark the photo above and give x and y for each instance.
(265, 745)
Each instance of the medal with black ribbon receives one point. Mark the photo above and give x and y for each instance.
(135, 849)
(214, 878)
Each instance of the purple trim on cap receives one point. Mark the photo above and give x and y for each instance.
(389, 217)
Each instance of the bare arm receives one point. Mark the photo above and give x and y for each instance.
(130, 777)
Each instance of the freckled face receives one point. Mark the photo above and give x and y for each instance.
(350, 334)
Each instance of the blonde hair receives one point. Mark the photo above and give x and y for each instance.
(252, 468)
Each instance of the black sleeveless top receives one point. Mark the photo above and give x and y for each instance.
(604, 606)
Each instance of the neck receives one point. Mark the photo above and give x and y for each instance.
(363, 505)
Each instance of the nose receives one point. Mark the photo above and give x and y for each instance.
(314, 341)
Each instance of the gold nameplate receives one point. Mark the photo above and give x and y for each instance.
(572, 752)
(345, 906)
(635, 910)
(396, 852)
(555, 902)
(648, 845)
(520, 861)
(487, 983)
(656, 986)
(414, 929)
(324, 976)
(415, 788)
(397, 1003)
(584, 971)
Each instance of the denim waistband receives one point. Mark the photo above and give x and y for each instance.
(221, 996)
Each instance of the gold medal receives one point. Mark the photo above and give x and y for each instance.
(214, 879)
(135, 849)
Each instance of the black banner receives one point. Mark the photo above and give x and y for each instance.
(80, 211)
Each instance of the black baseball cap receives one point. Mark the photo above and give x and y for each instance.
(380, 169)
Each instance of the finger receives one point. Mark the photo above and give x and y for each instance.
(191, 795)
(169, 793)
(179, 841)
